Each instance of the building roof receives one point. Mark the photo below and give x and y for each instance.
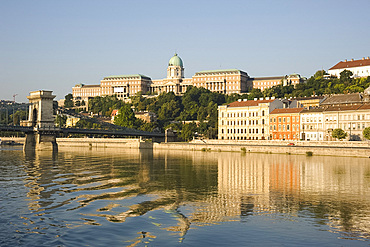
(114, 113)
(249, 103)
(175, 61)
(126, 76)
(343, 108)
(267, 78)
(309, 98)
(91, 85)
(220, 70)
(313, 110)
(287, 110)
(351, 98)
(351, 64)
(365, 107)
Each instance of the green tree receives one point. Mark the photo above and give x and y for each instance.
(188, 131)
(60, 120)
(345, 76)
(68, 101)
(366, 133)
(125, 117)
(339, 134)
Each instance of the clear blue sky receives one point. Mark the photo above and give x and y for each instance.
(54, 45)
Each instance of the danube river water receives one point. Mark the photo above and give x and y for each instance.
(115, 197)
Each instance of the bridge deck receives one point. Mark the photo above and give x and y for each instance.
(66, 131)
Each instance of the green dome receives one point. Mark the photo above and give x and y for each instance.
(175, 61)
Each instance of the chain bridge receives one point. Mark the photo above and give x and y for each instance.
(41, 132)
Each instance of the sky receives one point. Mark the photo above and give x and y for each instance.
(54, 45)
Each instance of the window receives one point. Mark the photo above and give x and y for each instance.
(283, 119)
(263, 113)
(279, 119)
(279, 127)
(288, 119)
(263, 121)
(287, 127)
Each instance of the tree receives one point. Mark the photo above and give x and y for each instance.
(345, 76)
(60, 120)
(188, 131)
(339, 134)
(125, 117)
(68, 101)
(366, 133)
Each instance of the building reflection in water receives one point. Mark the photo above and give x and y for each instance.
(218, 187)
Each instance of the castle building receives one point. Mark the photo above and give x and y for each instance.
(359, 68)
(225, 81)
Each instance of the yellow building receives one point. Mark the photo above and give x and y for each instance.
(246, 119)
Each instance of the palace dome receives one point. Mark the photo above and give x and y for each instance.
(175, 61)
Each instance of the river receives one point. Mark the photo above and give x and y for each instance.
(132, 197)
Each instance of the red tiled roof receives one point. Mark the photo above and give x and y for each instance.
(365, 107)
(351, 64)
(114, 113)
(287, 110)
(249, 103)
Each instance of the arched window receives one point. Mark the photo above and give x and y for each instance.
(263, 113)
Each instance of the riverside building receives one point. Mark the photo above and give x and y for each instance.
(225, 81)
(246, 119)
(285, 124)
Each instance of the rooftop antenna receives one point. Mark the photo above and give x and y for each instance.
(14, 97)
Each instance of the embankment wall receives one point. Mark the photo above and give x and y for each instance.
(333, 148)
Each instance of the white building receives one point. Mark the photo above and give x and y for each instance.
(359, 68)
(312, 124)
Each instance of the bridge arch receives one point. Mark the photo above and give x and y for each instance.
(34, 117)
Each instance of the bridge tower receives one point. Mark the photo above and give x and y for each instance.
(41, 120)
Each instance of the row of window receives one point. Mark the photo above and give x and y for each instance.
(241, 138)
(242, 122)
(283, 137)
(284, 119)
(242, 131)
(215, 78)
(283, 127)
(242, 114)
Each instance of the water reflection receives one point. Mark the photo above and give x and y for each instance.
(79, 187)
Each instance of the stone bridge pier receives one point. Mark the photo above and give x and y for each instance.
(41, 120)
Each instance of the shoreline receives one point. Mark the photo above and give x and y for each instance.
(309, 148)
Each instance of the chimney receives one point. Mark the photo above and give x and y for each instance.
(345, 60)
(261, 98)
(352, 59)
(239, 100)
(267, 98)
(367, 57)
(245, 99)
(255, 99)
(273, 97)
(363, 58)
